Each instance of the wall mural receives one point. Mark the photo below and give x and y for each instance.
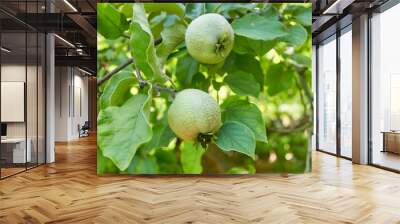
(204, 88)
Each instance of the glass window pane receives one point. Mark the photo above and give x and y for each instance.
(41, 98)
(31, 97)
(327, 96)
(385, 90)
(346, 94)
(15, 151)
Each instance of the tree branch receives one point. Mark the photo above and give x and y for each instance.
(303, 83)
(116, 70)
(301, 94)
(300, 70)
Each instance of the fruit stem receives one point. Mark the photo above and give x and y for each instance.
(204, 139)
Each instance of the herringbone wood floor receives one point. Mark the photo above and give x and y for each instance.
(69, 191)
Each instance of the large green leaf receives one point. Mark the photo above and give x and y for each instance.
(244, 45)
(104, 164)
(256, 27)
(157, 24)
(142, 43)
(121, 130)
(234, 8)
(194, 10)
(167, 161)
(126, 9)
(248, 114)
(162, 136)
(269, 12)
(142, 165)
(303, 15)
(172, 8)
(302, 60)
(191, 154)
(234, 136)
(200, 82)
(246, 63)
(249, 64)
(117, 90)
(186, 68)
(279, 79)
(172, 36)
(243, 83)
(110, 22)
(297, 35)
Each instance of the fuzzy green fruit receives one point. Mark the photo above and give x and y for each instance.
(209, 38)
(194, 112)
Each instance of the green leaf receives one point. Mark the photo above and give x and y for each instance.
(191, 155)
(142, 43)
(121, 130)
(279, 79)
(244, 45)
(171, 8)
(246, 63)
(167, 161)
(142, 165)
(228, 8)
(242, 83)
(303, 15)
(172, 36)
(104, 165)
(200, 82)
(234, 136)
(186, 68)
(302, 60)
(248, 114)
(251, 65)
(194, 10)
(297, 35)
(117, 90)
(162, 136)
(258, 28)
(269, 12)
(157, 24)
(110, 22)
(126, 9)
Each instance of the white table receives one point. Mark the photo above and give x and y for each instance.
(19, 155)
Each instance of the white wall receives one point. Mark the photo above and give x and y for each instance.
(62, 81)
(71, 102)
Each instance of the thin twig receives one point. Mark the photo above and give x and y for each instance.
(142, 82)
(160, 88)
(301, 94)
(300, 71)
(117, 69)
(305, 87)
